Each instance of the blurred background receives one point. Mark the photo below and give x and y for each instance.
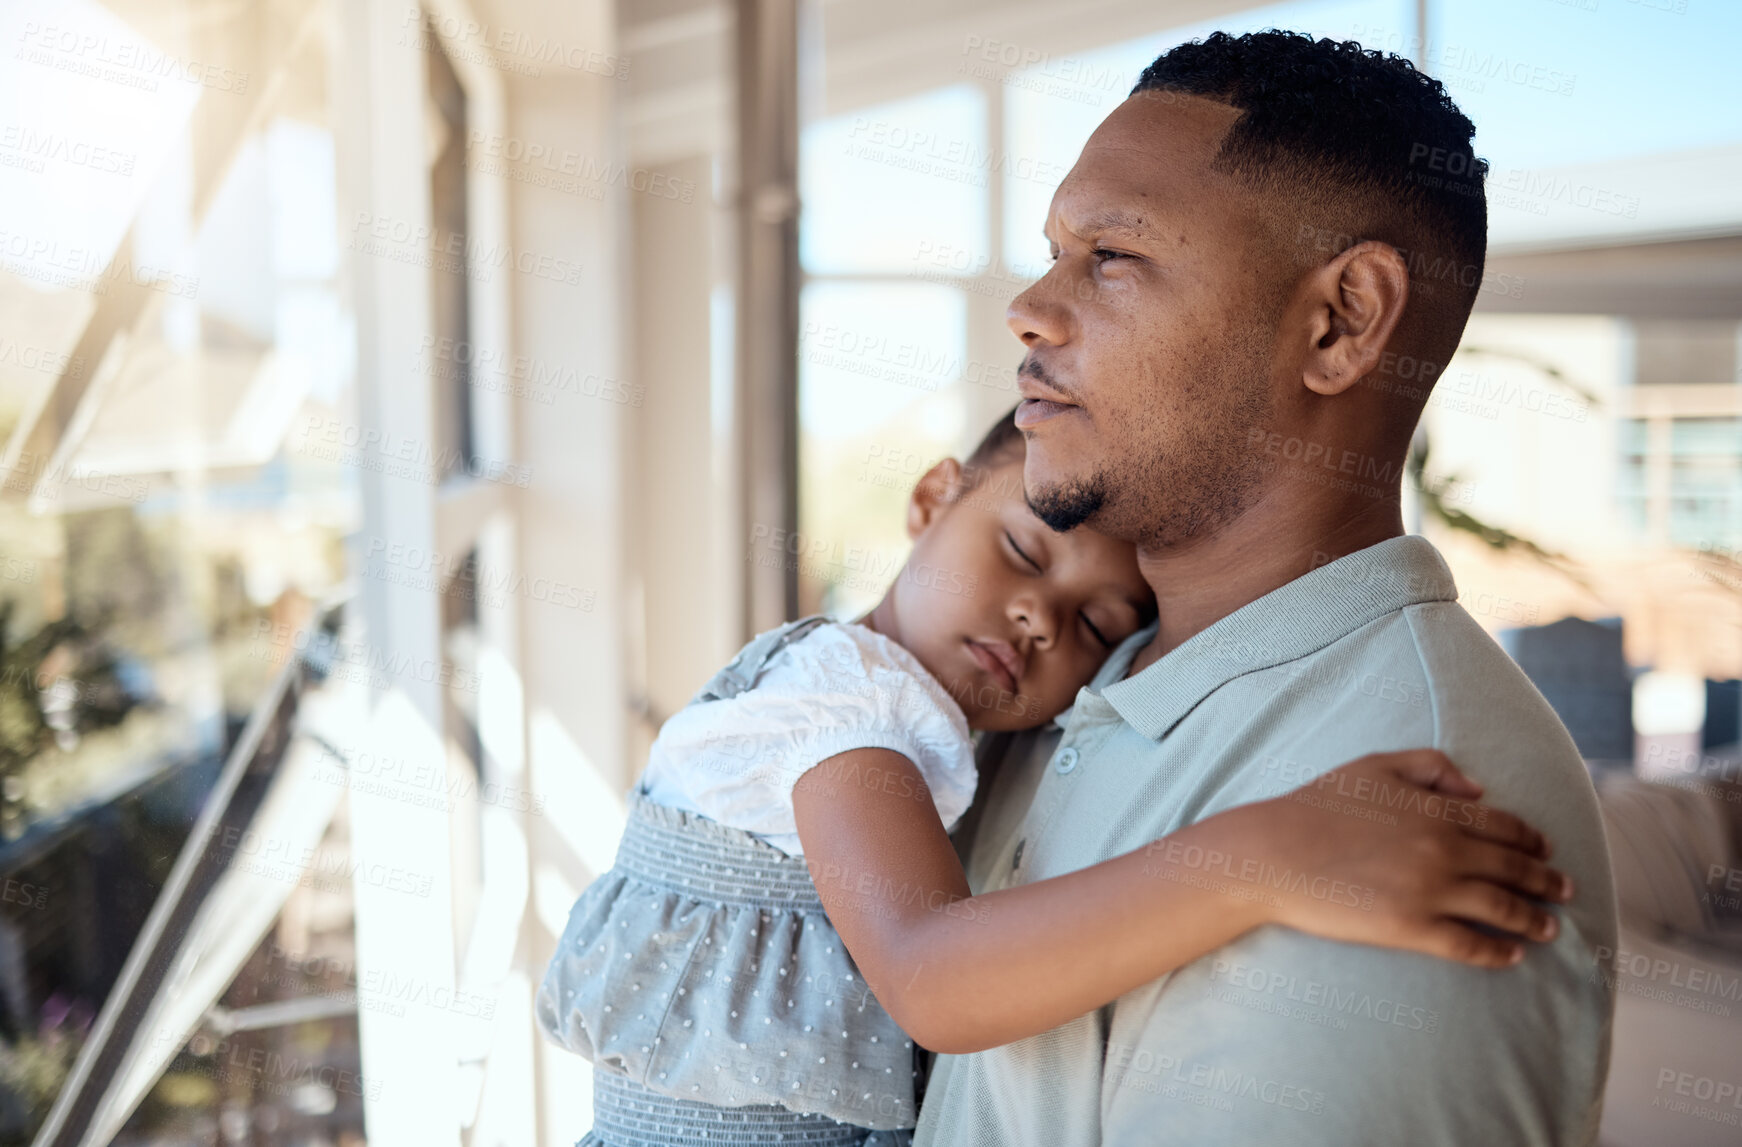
(406, 404)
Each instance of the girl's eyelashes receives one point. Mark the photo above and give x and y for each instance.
(1094, 629)
(1020, 553)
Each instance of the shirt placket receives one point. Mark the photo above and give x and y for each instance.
(1092, 722)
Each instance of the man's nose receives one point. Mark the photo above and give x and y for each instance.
(1035, 316)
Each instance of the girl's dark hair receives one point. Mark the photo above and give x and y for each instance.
(1001, 443)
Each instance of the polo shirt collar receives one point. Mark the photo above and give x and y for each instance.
(1299, 618)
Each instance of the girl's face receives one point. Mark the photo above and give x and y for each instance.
(1009, 616)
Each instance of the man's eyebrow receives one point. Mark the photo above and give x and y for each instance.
(1111, 220)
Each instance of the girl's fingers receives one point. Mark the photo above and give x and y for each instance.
(1480, 902)
(1485, 822)
(1514, 870)
(1451, 940)
(1432, 769)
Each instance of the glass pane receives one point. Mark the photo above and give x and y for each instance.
(880, 372)
(1567, 83)
(1696, 436)
(1705, 506)
(167, 524)
(885, 186)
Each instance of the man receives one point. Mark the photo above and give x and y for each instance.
(1260, 257)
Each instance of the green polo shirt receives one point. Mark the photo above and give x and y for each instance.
(1282, 1037)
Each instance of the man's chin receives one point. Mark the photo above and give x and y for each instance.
(1065, 505)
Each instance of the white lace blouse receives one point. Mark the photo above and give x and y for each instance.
(840, 687)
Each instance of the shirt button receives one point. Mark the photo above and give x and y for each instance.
(1066, 761)
(1016, 860)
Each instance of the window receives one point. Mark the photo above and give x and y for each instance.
(896, 202)
(1705, 492)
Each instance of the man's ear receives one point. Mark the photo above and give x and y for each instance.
(935, 491)
(1357, 300)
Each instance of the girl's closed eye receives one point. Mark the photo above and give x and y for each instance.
(1021, 554)
(1096, 630)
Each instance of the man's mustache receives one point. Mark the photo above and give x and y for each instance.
(1031, 368)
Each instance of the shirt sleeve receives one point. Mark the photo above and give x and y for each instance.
(841, 687)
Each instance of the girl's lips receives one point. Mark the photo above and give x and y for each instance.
(992, 664)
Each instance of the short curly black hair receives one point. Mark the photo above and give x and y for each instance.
(1367, 145)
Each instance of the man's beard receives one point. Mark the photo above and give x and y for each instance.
(1068, 505)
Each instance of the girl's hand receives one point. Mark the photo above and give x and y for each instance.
(1391, 850)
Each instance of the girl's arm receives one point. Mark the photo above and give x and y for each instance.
(962, 973)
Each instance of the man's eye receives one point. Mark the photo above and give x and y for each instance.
(1105, 255)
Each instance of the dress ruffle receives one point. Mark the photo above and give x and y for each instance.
(703, 968)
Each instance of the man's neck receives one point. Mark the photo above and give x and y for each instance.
(1268, 546)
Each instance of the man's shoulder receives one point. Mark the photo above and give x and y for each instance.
(1431, 669)
(1469, 674)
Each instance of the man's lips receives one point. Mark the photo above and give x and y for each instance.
(999, 659)
(1034, 411)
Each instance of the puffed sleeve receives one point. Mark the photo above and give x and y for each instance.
(839, 688)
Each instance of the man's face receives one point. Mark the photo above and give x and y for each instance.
(1149, 340)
